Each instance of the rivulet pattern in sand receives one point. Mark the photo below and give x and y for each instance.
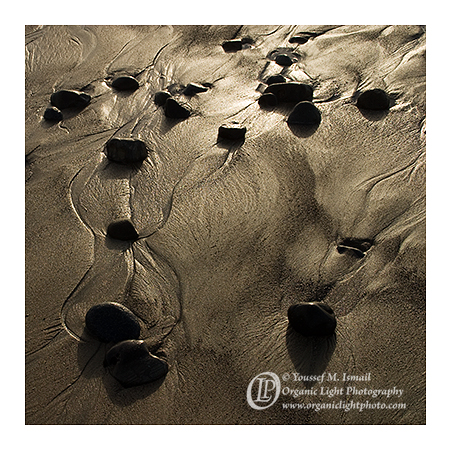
(208, 178)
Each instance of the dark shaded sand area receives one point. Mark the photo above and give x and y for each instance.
(190, 184)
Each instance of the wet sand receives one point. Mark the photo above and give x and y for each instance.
(232, 209)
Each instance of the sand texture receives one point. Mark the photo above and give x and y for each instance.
(208, 210)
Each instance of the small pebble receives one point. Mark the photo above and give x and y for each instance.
(123, 230)
(125, 83)
(291, 92)
(69, 99)
(374, 99)
(161, 97)
(175, 110)
(194, 88)
(53, 114)
(131, 363)
(283, 60)
(304, 113)
(126, 151)
(231, 131)
(112, 322)
(233, 45)
(276, 79)
(268, 101)
(312, 319)
(299, 39)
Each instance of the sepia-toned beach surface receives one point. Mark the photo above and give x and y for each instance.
(207, 178)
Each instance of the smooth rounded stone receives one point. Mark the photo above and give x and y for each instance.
(161, 97)
(112, 322)
(123, 230)
(175, 110)
(126, 151)
(53, 114)
(374, 99)
(131, 363)
(232, 131)
(283, 60)
(233, 45)
(276, 79)
(291, 92)
(299, 39)
(69, 99)
(312, 319)
(194, 88)
(268, 101)
(125, 83)
(304, 113)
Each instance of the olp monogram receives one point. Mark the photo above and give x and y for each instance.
(263, 390)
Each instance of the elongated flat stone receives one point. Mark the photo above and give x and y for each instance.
(301, 38)
(276, 79)
(112, 322)
(125, 83)
(232, 131)
(126, 151)
(233, 45)
(312, 319)
(291, 92)
(194, 88)
(131, 363)
(69, 99)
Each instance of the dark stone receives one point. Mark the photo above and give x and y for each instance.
(125, 83)
(161, 97)
(291, 92)
(233, 45)
(304, 113)
(358, 247)
(276, 79)
(53, 114)
(283, 60)
(69, 99)
(268, 101)
(374, 99)
(232, 131)
(299, 39)
(312, 319)
(131, 363)
(194, 88)
(126, 151)
(175, 110)
(112, 322)
(122, 230)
